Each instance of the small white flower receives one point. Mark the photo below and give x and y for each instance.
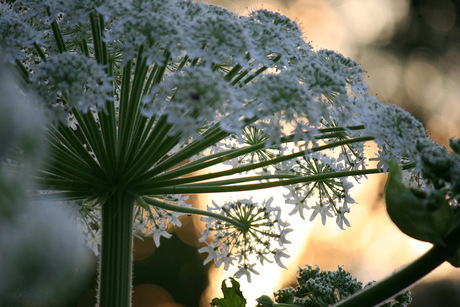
(262, 256)
(158, 234)
(341, 219)
(226, 260)
(294, 197)
(323, 210)
(282, 239)
(212, 250)
(246, 270)
(279, 253)
(219, 254)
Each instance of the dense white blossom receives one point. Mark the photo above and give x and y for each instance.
(72, 12)
(152, 24)
(274, 35)
(74, 81)
(194, 98)
(16, 34)
(404, 130)
(213, 34)
(283, 103)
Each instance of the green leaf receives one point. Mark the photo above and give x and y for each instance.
(422, 216)
(265, 301)
(233, 297)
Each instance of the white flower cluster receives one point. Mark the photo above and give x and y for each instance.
(396, 133)
(15, 35)
(70, 80)
(249, 242)
(214, 34)
(274, 35)
(331, 195)
(203, 31)
(193, 98)
(438, 168)
(282, 102)
(73, 12)
(154, 25)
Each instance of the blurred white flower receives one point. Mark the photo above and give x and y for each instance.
(43, 256)
(16, 34)
(40, 264)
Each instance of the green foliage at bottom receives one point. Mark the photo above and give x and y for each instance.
(315, 288)
(233, 297)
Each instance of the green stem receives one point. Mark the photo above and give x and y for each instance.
(399, 281)
(107, 117)
(190, 210)
(216, 187)
(222, 186)
(97, 39)
(22, 71)
(66, 137)
(116, 253)
(58, 37)
(233, 153)
(147, 180)
(209, 138)
(410, 274)
(40, 52)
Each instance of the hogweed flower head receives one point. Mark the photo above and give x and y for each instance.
(151, 95)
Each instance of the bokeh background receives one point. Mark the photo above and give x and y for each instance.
(411, 52)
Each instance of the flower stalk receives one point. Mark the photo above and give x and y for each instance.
(115, 274)
(397, 282)
(188, 210)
